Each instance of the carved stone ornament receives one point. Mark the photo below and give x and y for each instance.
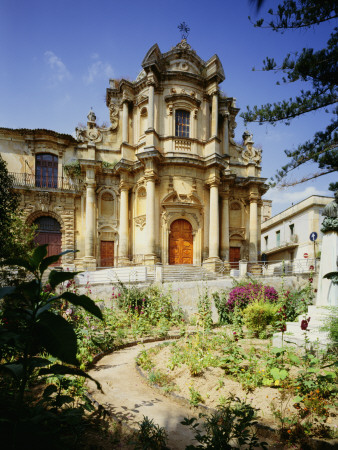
(44, 200)
(183, 45)
(251, 154)
(92, 133)
(114, 116)
(232, 126)
(140, 221)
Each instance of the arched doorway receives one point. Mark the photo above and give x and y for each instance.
(180, 242)
(49, 232)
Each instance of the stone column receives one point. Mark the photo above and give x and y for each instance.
(125, 114)
(214, 125)
(90, 226)
(151, 100)
(253, 232)
(214, 222)
(124, 224)
(225, 239)
(150, 218)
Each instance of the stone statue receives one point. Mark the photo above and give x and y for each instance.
(331, 209)
(330, 222)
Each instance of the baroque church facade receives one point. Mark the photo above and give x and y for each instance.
(165, 182)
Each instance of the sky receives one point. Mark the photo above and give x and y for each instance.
(57, 58)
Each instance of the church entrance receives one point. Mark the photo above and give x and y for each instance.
(49, 232)
(180, 242)
(107, 253)
(235, 256)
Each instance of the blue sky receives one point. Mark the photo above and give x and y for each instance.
(57, 57)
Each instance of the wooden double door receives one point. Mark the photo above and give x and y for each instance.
(107, 253)
(49, 232)
(180, 242)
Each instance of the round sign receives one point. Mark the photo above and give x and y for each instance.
(306, 255)
(313, 236)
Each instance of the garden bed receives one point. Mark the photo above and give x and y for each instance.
(287, 390)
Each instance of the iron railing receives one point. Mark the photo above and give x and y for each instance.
(27, 180)
(275, 268)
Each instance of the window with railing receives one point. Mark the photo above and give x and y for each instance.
(182, 123)
(46, 170)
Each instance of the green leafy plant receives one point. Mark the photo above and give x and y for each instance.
(258, 315)
(204, 310)
(195, 397)
(36, 340)
(232, 424)
(73, 169)
(150, 436)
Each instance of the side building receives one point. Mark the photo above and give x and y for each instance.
(165, 182)
(286, 236)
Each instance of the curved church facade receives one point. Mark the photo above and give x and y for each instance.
(165, 182)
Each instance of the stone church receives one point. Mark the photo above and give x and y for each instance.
(165, 182)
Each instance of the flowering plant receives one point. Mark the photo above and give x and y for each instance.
(241, 296)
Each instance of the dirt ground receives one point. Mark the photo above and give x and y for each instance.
(265, 399)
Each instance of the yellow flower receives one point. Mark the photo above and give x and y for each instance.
(277, 382)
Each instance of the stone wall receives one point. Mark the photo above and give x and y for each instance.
(186, 294)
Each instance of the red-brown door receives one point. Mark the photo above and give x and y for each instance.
(180, 242)
(235, 256)
(49, 232)
(107, 253)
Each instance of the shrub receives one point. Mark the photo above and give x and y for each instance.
(258, 315)
(204, 310)
(295, 303)
(241, 296)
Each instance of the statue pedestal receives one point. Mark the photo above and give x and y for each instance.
(327, 293)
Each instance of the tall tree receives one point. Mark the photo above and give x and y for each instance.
(318, 70)
(16, 236)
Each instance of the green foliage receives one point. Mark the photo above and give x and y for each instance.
(232, 424)
(258, 316)
(150, 436)
(195, 397)
(204, 310)
(34, 336)
(317, 69)
(73, 169)
(8, 203)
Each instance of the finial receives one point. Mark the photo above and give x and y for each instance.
(184, 29)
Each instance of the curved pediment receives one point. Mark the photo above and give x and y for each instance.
(187, 199)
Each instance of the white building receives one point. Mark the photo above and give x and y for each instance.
(286, 236)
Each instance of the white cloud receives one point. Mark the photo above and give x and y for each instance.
(98, 69)
(284, 198)
(59, 69)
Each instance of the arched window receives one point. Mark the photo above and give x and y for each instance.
(182, 123)
(46, 170)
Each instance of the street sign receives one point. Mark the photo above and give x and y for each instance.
(313, 236)
(306, 255)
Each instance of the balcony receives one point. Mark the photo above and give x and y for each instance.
(30, 181)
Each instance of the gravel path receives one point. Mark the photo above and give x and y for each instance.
(129, 398)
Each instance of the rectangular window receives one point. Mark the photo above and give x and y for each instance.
(292, 228)
(182, 123)
(277, 238)
(266, 238)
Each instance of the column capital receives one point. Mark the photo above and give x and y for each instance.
(124, 186)
(254, 198)
(213, 181)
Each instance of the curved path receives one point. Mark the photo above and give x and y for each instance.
(129, 398)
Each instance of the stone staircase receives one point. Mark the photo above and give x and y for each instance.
(295, 336)
(186, 272)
